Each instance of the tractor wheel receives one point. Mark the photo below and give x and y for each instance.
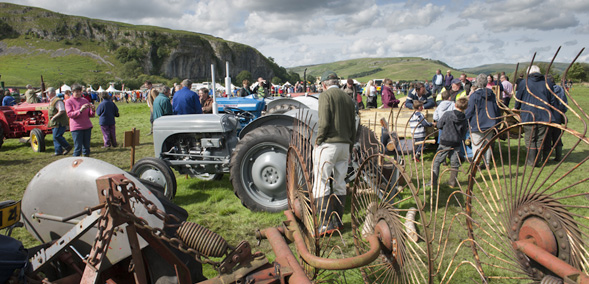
(281, 109)
(258, 169)
(157, 171)
(37, 140)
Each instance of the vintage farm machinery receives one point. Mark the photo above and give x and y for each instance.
(25, 121)
(509, 222)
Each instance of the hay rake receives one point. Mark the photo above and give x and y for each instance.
(509, 222)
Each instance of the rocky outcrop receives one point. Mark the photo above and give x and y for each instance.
(173, 54)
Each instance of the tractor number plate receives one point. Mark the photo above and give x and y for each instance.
(9, 215)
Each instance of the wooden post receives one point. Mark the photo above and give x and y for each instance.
(131, 140)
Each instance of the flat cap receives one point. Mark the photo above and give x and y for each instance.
(328, 75)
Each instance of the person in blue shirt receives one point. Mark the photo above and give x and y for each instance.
(107, 111)
(186, 101)
(8, 100)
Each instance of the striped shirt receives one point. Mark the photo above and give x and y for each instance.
(418, 124)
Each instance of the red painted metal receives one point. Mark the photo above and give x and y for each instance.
(284, 255)
(328, 263)
(18, 121)
(537, 229)
(551, 262)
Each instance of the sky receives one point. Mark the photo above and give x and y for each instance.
(303, 32)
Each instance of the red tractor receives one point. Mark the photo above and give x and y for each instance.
(25, 120)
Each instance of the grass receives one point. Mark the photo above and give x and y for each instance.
(397, 68)
(213, 204)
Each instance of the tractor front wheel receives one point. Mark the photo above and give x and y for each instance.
(37, 140)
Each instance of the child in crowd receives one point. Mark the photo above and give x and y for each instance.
(107, 111)
(418, 123)
(455, 126)
(444, 106)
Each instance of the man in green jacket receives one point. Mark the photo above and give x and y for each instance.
(335, 137)
(161, 104)
(58, 121)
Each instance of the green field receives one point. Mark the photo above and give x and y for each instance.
(213, 204)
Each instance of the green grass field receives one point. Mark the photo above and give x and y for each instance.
(213, 204)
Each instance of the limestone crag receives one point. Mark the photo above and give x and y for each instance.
(160, 51)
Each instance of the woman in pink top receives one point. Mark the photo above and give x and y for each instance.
(79, 110)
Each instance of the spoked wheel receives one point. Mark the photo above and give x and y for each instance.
(298, 189)
(377, 207)
(516, 203)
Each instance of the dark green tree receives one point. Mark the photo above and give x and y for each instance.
(243, 75)
(577, 73)
(276, 81)
(293, 77)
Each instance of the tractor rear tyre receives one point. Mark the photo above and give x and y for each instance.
(283, 108)
(37, 140)
(258, 168)
(157, 171)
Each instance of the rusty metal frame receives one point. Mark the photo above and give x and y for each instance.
(568, 273)
(330, 263)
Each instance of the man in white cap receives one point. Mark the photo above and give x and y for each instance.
(58, 120)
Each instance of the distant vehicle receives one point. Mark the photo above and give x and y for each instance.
(378, 84)
(25, 120)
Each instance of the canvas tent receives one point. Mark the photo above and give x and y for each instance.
(64, 88)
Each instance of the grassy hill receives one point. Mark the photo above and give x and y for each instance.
(364, 69)
(407, 68)
(510, 68)
(66, 49)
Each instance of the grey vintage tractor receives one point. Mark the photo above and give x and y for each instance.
(252, 148)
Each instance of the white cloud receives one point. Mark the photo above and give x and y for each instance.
(473, 38)
(319, 31)
(502, 16)
(414, 17)
(365, 18)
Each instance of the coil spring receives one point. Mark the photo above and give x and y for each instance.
(549, 279)
(203, 240)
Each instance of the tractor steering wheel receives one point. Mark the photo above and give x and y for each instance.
(239, 113)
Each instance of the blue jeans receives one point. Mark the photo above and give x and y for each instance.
(418, 147)
(82, 142)
(59, 142)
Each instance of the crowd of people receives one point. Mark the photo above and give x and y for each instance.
(463, 109)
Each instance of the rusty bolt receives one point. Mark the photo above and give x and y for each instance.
(520, 213)
(532, 208)
(560, 234)
(554, 224)
(526, 209)
(514, 228)
(235, 258)
(540, 210)
(548, 216)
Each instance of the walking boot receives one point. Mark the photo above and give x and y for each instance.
(324, 210)
(339, 205)
(558, 153)
(452, 181)
(532, 157)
